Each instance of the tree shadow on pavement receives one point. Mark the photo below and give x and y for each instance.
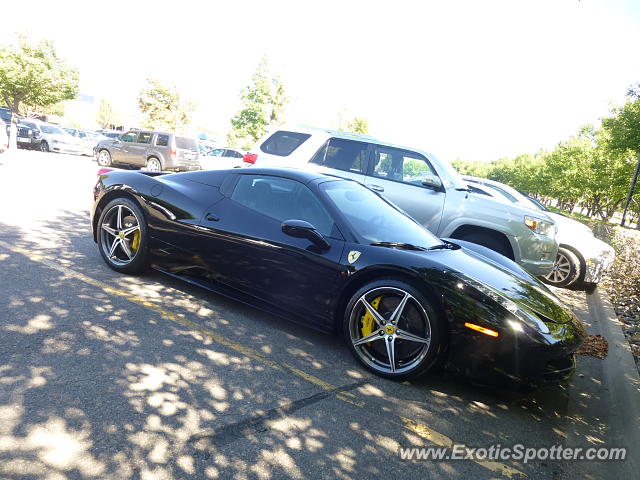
(94, 385)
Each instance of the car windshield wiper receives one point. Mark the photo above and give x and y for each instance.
(406, 246)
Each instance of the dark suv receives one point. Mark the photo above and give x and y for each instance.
(154, 151)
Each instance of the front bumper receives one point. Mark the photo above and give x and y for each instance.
(535, 253)
(517, 356)
(64, 148)
(520, 353)
(598, 258)
(537, 268)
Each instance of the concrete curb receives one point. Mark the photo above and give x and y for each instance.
(621, 375)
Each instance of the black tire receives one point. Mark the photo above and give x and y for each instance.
(104, 158)
(566, 269)
(490, 241)
(44, 146)
(417, 320)
(128, 257)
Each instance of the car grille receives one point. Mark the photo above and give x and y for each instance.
(24, 132)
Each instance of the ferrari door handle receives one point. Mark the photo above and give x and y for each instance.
(377, 188)
(212, 218)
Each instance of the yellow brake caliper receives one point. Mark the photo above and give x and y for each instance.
(136, 241)
(367, 320)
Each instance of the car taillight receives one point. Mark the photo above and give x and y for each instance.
(172, 153)
(102, 171)
(250, 158)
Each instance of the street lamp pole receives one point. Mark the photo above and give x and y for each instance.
(631, 189)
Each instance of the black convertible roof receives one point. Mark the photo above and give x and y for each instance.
(216, 177)
(301, 175)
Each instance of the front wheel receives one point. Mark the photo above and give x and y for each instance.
(565, 271)
(393, 330)
(44, 146)
(122, 236)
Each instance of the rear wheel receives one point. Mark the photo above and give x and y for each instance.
(122, 236)
(565, 271)
(104, 158)
(393, 330)
(153, 165)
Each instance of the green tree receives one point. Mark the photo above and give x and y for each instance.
(33, 75)
(106, 117)
(264, 103)
(163, 107)
(355, 125)
(472, 169)
(623, 133)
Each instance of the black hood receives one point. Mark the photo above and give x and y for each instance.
(521, 288)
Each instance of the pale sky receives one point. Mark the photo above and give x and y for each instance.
(471, 79)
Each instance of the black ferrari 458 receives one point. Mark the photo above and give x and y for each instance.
(335, 256)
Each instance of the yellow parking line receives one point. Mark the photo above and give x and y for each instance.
(444, 441)
(421, 430)
(180, 320)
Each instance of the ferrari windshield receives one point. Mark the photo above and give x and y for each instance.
(373, 219)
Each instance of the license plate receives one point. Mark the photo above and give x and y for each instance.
(189, 156)
(23, 139)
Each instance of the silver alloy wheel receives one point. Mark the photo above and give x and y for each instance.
(401, 335)
(44, 146)
(561, 269)
(118, 235)
(153, 165)
(104, 159)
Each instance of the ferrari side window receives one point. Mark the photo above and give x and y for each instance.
(282, 199)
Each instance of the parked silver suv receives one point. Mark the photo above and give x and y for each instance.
(429, 190)
(154, 151)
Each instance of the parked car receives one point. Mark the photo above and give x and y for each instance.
(332, 254)
(5, 116)
(429, 190)
(219, 158)
(109, 133)
(46, 137)
(154, 151)
(208, 140)
(87, 139)
(4, 138)
(582, 259)
(27, 137)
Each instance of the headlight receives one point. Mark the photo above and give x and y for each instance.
(524, 316)
(540, 226)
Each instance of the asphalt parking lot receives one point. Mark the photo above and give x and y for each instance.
(111, 376)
